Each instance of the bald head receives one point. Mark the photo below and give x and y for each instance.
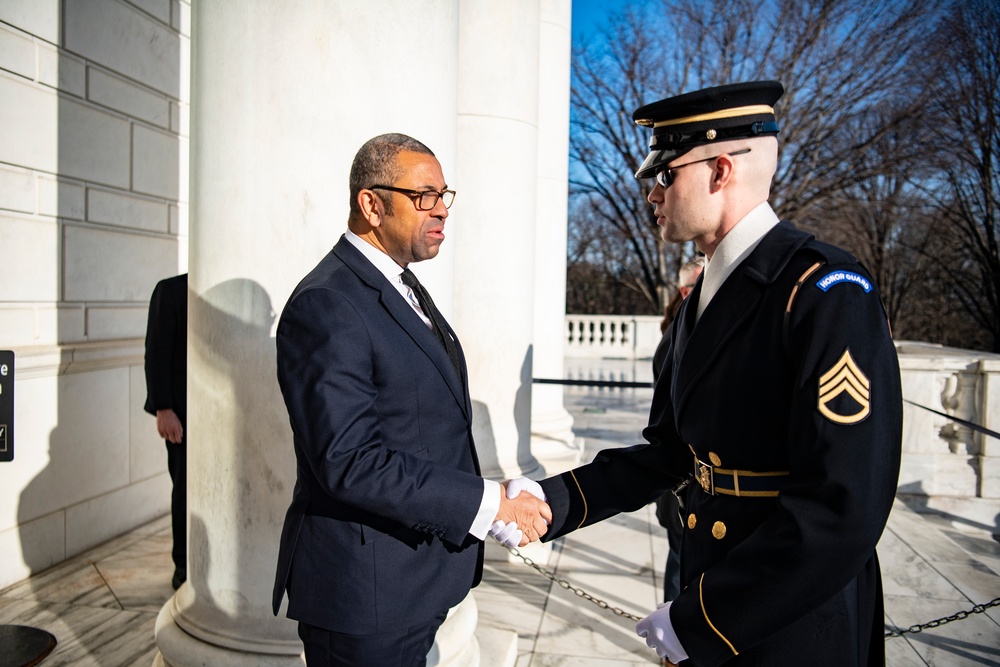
(753, 170)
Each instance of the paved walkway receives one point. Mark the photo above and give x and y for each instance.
(102, 604)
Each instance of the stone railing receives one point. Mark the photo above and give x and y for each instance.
(611, 336)
(946, 466)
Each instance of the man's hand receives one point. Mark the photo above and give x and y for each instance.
(168, 425)
(507, 534)
(531, 514)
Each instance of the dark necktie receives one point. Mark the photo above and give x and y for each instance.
(434, 315)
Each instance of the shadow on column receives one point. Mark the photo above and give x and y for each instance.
(240, 473)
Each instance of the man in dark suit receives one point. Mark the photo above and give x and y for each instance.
(384, 532)
(780, 393)
(166, 398)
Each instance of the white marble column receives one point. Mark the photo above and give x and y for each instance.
(495, 224)
(283, 95)
(552, 440)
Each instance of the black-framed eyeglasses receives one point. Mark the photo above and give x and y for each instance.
(424, 200)
(665, 176)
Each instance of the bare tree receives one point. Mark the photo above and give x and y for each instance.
(843, 63)
(606, 149)
(963, 126)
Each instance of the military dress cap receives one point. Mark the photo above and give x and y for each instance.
(680, 123)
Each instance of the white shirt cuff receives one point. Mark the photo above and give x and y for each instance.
(488, 509)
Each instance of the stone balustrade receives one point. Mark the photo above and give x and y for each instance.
(611, 336)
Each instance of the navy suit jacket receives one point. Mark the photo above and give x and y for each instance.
(376, 536)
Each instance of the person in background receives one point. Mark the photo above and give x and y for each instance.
(166, 399)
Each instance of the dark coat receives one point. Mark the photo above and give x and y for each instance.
(166, 348)
(788, 575)
(376, 536)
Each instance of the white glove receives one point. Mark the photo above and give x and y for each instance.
(506, 534)
(659, 634)
(515, 486)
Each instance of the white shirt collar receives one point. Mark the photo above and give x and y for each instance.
(733, 249)
(385, 264)
(387, 267)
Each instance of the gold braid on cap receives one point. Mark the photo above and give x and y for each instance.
(751, 110)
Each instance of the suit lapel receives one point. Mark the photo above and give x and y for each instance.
(738, 298)
(397, 308)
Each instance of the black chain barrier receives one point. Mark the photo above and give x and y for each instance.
(580, 593)
(897, 632)
(913, 629)
(618, 611)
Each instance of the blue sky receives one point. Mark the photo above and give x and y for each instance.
(589, 16)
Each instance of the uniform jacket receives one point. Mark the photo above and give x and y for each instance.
(785, 573)
(376, 536)
(166, 348)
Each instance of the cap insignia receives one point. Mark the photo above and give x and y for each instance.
(710, 135)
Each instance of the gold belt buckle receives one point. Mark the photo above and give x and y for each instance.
(705, 475)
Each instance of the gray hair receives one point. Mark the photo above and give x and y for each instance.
(375, 164)
(687, 273)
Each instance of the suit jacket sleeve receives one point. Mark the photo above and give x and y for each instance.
(329, 370)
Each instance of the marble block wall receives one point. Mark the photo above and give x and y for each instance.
(93, 212)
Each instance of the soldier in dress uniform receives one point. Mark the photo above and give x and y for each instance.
(779, 403)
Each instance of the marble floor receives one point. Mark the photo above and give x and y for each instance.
(102, 605)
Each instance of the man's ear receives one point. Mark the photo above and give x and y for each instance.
(371, 207)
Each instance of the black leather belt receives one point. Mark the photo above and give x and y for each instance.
(743, 483)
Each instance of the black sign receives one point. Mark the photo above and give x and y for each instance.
(6, 405)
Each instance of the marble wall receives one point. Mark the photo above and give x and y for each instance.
(93, 212)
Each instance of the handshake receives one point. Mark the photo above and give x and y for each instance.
(524, 516)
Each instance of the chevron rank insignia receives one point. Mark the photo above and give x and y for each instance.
(844, 392)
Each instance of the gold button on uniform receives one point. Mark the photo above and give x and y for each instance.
(719, 530)
(692, 521)
(714, 458)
